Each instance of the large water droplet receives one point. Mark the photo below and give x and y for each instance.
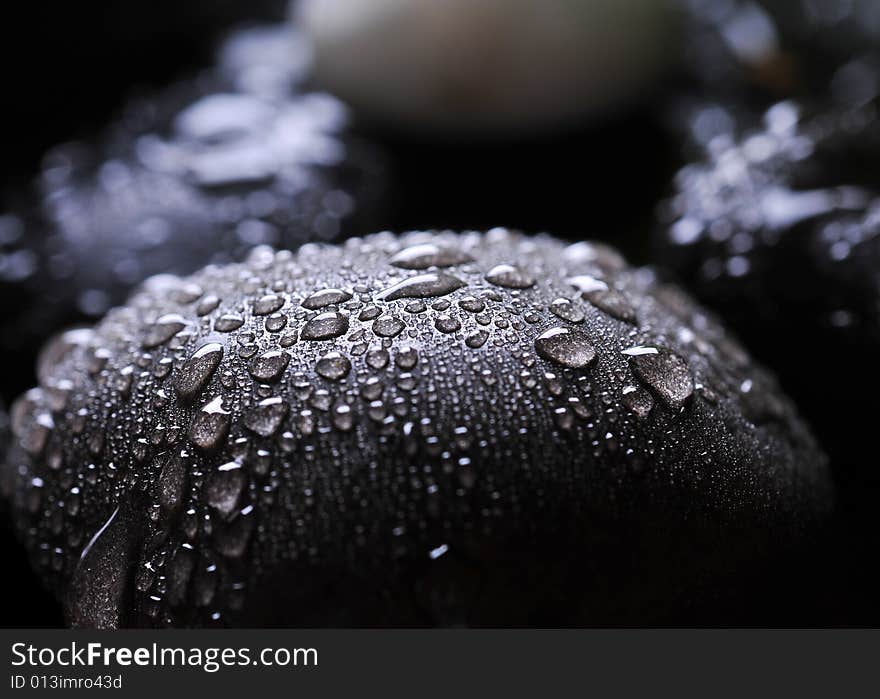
(228, 322)
(447, 324)
(638, 400)
(325, 297)
(224, 487)
(210, 426)
(422, 286)
(565, 346)
(388, 326)
(333, 366)
(325, 326)
(565, 309)
(172, 482)
(666, 374)
(198, 370)
(267, 304)
(476, 339)
(266, 417)
(604, 297)
(269, 366)
(163, 330)
(429, 255)
(510, 277)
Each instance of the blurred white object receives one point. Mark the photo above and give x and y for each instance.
(488, 65)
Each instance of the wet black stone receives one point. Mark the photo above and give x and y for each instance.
(442, 481)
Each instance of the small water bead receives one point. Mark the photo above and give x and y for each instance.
(476, 339)
(565, 309)
(210, 426)
(665, 373)
(416, 307)
(333, 366)
(325, 326)
(388, 326)
(472, 304)
(224, 488)
(510, 277)
(566, 347)
(228, 322)
(324, 298)
(269, 366)
(447, 324)
(163, 330)
(266, 417)
(422, 286)
(195, 374)
(427, 255)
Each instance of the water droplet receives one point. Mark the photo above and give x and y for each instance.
(565, 309)
(224, 487)
(604, 297)
(638, 400)
(325, 326)
(378, 358)
(276, 322)
(198, 370)
(447, 324)
(472, 304)
(172, 482)
(429, 255)
(207, 304)
(510, 277)
(228, 322)
(269, 366)
(267, 304)
(369, 313)
(325, 297)
(422, 286)
(266, 417)
(333, 366)
(210, 426)
(388, 326)
(565, 346)
(163, 330)
(666, 374)
(476, 339)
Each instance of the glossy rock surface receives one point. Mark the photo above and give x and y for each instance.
(487, 463)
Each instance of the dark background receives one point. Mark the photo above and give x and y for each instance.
(67, 67)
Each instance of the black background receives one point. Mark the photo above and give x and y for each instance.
(68, 66)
